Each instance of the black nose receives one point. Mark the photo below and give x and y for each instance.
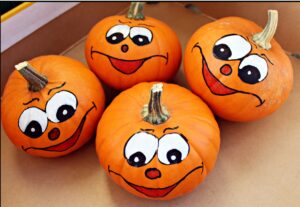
(124, 48)
(54, 134)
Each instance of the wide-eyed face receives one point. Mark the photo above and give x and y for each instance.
(239, 80)
(56, 120)
(158, 163)
(132, 51)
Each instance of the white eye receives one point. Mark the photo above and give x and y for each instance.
(140, 149)
(61, 106)
(173, 148)
(140, 35)
(253, 69)
(33, 122)
(117, 33)
(231, 47)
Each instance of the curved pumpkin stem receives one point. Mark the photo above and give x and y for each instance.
(154, 112)
(264, 38)
(35, 80)
(136, 11)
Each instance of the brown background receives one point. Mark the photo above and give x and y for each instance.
(258, 164)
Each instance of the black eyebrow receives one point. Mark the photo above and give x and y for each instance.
(34, 99)
(251, 42)
(146, 25)
(147, 130)
(124, 22)
(266, 58)
(169, 128)
(56, 87)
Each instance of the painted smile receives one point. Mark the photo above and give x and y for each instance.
(127, 66)
(68, 143)
(156, 192)
(216, 86)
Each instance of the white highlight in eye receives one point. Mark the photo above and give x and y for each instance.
(59, 99)
(169, 142)
(258, 62)
(120, 28)
(141, 142)
(33, 114)
(238, 46)
(141, 31)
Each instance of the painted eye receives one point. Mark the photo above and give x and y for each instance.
(61, 106)
(117, 34)
(140, 35)
(140, 149)
(33, 122)
(173, 148)
(231, 47)
(253, 69)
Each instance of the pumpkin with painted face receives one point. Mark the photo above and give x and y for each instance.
(160, 150)
(126, 50)
(238, 68)
(51, 106)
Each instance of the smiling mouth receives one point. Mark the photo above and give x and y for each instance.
(127, 66)
(156, 192)
(215, 85)
(68, 143)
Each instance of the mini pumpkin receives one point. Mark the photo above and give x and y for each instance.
(239, 69)
(51, 106)
(161, 150)
(126, 50)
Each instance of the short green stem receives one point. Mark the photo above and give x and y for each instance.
(264, 38)
(36, 81)
(154, 113)
(136, 10)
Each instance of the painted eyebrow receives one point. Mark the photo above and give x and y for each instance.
(146, 25)
(266, 58)
(124, 22)
(34, 99)
(251, 42)
(170, 128)
(147, 130)
(56, 88)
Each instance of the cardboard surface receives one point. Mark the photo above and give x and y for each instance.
(258, 164)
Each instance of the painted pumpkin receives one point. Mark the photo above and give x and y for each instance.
(126, 50)
(161, 150)
(242, 74)
(51, 106)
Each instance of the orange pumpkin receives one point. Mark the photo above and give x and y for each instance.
(243, 75)
(126, 50)
(51, 106)
(161, 150)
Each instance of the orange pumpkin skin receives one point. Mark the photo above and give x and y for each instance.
(67, 109)
(124, 64)
(221, 83)
(190, 118)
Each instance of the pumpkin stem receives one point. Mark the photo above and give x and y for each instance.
(35, 80)
(154, 112)
(136, 11)
(264, 38)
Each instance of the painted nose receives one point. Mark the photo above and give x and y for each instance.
(226, 70)
(152, 173)
(54, 134)
(124, 48)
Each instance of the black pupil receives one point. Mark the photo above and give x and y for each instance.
(222, 52)
(64, 112)
(140, 40)
(249, 74)
(33, 129)
(115, 38)
(174, 156)
(137, 159)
